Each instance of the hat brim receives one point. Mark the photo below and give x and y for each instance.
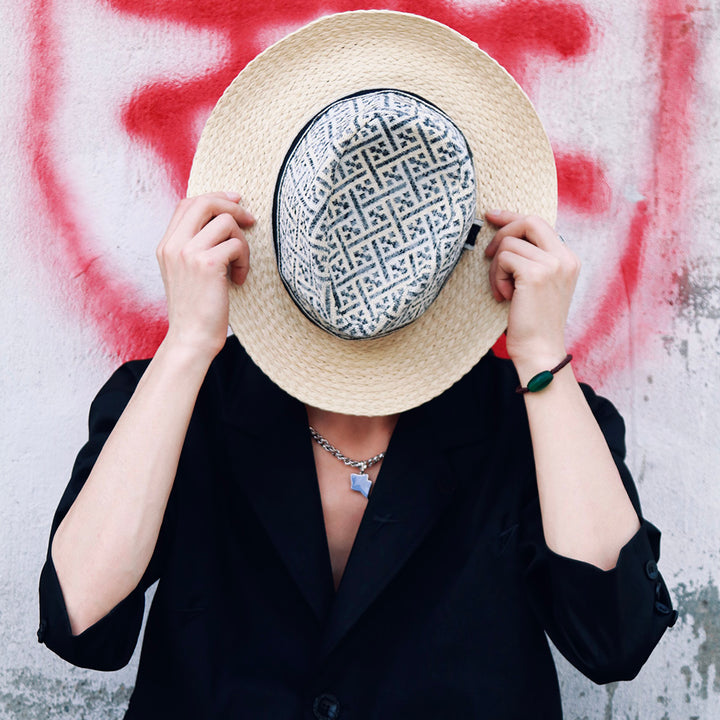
(242, 149)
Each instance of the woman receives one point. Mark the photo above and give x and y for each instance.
(480, 518)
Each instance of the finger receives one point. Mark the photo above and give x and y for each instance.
(207, 207)
(184, 205)
(233, 255)
(502, 217)
(515, 228)
(523, 249)
(240, 262)
(201, 210)
(531, 228)
(528, 227)
(219, 229)
(509, 266)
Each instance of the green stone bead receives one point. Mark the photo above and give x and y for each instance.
(540, 381)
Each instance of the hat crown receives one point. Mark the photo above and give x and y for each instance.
(372, 208)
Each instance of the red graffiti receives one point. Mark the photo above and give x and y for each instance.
(160, 114)
(130, 325)
(162, 117)
(650, 251)
(581, 183)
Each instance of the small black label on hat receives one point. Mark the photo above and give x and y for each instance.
(472, 235)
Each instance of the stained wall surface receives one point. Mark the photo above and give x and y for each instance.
(101, 106)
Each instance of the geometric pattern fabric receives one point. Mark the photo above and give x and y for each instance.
(372, 208)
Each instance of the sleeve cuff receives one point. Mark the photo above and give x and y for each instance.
(108, 644)
(636, 567)
(606, 622)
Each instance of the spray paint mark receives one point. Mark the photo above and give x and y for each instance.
(582, 184)
(701, 607)
(163, 116)
(160, 114)
(31, 696)
(130, 325)
(523, 35)
(672, 31)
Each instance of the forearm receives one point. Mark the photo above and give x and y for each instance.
(586, 512)
(105, 542)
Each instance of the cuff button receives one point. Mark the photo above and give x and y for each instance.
(326, 707)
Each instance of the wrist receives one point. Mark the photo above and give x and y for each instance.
(529, 367)
(191, 358)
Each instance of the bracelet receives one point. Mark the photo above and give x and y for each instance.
(542, 379)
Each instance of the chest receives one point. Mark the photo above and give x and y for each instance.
(342, 507)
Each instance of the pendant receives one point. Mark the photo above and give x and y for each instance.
(360, 483)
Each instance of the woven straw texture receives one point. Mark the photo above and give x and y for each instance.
(242, 149)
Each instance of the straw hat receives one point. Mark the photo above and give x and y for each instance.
(244, 146)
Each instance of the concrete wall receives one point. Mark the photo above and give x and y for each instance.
(102, 103)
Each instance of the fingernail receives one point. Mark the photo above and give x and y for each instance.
(235, 197)
(494, 212)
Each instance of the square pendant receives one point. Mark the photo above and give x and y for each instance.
(360, 483)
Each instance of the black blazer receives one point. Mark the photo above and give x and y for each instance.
(446, 597)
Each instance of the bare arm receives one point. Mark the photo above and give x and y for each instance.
(586, 513)
(104, 544)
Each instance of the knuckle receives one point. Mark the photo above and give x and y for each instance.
(234, 245)
(503, 256)
(534, 221)
(503, 242)
(230, 220)
(163, 252)
(225, 223)
(571, 264)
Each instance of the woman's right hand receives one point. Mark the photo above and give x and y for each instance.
(103, 545)
(202, 251)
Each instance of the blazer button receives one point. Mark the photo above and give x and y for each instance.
(326, 707)
(651, 569)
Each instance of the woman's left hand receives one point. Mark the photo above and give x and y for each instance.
(587, 514)
(534, 270)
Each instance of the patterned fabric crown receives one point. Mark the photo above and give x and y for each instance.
(372, 208)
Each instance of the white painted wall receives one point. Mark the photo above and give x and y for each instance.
(653, 131)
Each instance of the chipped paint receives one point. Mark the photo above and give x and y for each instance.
(685, 670)
(28, 695)
(698, 286)
(701, 609)
(610, 689)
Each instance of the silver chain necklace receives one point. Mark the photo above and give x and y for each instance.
(359, 482)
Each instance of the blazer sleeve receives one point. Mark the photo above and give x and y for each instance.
(606, 623)
(109, 643)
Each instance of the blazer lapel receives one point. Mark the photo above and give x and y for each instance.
(277, 473)
(268, 429)
(415, 485)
